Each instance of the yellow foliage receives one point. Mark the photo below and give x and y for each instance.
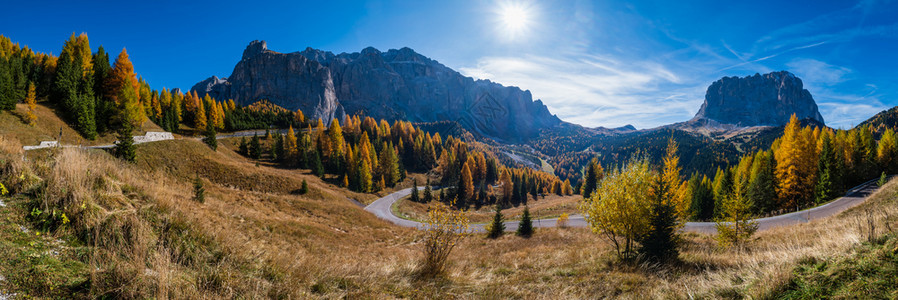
(443, 229)
(619, 207)
(30, 100)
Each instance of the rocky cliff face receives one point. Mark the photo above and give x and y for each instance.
(397, 84)
(758, 100)
(288, 80)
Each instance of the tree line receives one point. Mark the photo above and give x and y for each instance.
(97, 97)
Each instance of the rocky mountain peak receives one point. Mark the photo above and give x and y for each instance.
(758, 100)
(394, 85)
(254, 48)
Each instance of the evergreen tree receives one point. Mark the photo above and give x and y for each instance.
(315, 163)
(210, 137)
(304, 189)
(722, 186)
(525, 227)
(7, 87)
(702, 206)
(105, 105)
(660, 243)
(255, 148)
(761, 188)
(497, 227)
(414, 196)
(824, 189)
(124, 148)
(199, 192)
(428, 192)
(243, 148)
(592, 176)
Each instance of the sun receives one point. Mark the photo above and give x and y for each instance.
(514, 19)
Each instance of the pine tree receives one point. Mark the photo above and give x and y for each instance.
(105, 105)
(428, 192)
(199, 192)
(660, 243)
(525, 227)
(30, 100)
(315, 163)
(824, 190)
(210, 137)
(414, 196)
(255, 148)
(761, 187)
(7, 87)
(592, 176)
(702, 206)
(243, 148)
(124, 148)
(792, 173)
(497, 227)
(667, 208)
(304, 189)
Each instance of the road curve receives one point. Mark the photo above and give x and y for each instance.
(382, 208)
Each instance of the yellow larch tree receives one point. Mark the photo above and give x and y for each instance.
(31, 101)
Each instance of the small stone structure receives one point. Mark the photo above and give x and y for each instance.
(44, 144)
(153, 136)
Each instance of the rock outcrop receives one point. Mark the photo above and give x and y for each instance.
(759, 100)
(393, 85)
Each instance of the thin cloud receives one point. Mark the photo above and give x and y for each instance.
(594, 90)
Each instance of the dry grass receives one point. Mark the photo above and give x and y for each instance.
(550, 206)
(254, 238)
(48, 126)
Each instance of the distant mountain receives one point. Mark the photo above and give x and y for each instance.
(759, 100)
(393, 85)
(887, 119)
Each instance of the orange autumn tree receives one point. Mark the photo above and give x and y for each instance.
(122, 75)
(793, 172)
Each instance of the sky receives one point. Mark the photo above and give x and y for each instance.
(593, 63)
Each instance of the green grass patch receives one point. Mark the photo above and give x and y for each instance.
(869, 271)
(35, 264)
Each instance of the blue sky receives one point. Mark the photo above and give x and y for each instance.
(594, 63)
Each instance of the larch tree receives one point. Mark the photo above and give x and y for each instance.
(620, 207)
(887, 152)
(465, 185)
(31, 101)
(125, 84)
(792, 173)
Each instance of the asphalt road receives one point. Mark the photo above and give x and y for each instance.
(382, 208)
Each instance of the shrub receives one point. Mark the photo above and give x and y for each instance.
(444, 228)
(562, 221)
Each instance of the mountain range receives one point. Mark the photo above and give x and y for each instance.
(738, 113)
(393, 85)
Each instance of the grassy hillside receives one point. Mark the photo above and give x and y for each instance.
(134, 231)
(48, 127)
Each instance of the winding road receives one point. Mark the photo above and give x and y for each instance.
(382, 208)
